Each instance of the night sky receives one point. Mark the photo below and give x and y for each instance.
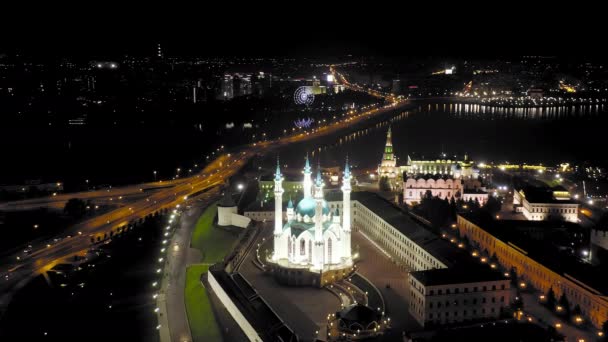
(304, 29)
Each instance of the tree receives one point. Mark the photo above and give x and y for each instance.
(465, 241)
(384, 184)
(576, 311)
(513, 275)
(605, 328)
(563, 302)
(476, 204)
(493, 205)
(453, 209)
(75, 207)
(551, 300)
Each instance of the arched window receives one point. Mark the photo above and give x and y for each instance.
(329, 250)
(302, 247)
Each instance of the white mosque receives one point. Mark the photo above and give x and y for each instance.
(313, 238)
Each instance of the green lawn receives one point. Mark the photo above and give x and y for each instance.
(203, 325)
(214, 243)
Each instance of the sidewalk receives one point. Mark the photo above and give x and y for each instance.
(172, 315)
(540, 312)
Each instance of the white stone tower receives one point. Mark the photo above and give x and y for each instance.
(318, 250)
(346, 189)
(279, 248)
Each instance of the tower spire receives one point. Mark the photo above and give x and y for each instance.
(277, 174)
(307, 165)
(346, 169)
(307, 184)
(388, 148)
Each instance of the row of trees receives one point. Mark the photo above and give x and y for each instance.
(149, 219)
(562, 305)
(77, 208)
(442, 212)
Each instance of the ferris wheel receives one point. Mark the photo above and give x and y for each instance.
(304, 96)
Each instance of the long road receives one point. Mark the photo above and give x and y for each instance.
(18, 269)
(108, 195)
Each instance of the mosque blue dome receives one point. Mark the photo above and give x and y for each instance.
(307, 207)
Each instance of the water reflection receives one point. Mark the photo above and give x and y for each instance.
(547, 135)
(493, 112)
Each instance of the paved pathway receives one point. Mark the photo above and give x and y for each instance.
(380, 270)
(170, 301)
(304, 309)
(538, 311)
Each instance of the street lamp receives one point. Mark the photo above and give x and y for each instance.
(154, 175)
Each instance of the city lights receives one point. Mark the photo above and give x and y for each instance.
(460, 189)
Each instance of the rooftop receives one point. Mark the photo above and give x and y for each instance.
(542, 195)
(427, 176)
(457, 275)
(474, 191)
(401, 220)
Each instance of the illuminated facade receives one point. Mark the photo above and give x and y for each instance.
(544, 204)
(443, 186)
(532, 272)
(447, 167)
(446, 296)
(414, 188)
(388, 166)
(313, 238)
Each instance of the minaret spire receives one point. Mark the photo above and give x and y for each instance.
(307, 166)
(277, 174)
(307, 183)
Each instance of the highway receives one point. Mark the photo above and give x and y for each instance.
(19, 268)
(101, 196)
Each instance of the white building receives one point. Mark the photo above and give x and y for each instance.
(455, 295)
(415, 187)
(227, 214)
(313, 236)
(419, 250)
(462, 169)
(539, 204)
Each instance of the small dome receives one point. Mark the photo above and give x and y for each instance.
(307, 207)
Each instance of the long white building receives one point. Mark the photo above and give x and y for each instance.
(539, 204)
